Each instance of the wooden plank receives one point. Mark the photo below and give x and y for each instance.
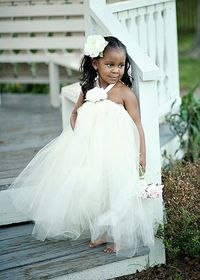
(39, 26)
(42, 57)
(19, 143)
(5, 183)
(12, 173)
(27, 251)
(73, 42)
(24, 58)
(42, 10)
(63, 265)
(36, 80)
(25, 257)
(13, 231)
(8, 213)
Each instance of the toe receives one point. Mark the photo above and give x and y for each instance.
(91, 245)
(110, 250)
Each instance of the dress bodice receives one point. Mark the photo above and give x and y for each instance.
(97, 93)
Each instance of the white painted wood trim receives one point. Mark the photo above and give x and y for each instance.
(41, 10)
(150, 120)
(69, 96)
(31, 80)
(127, 5)
(71, 60)
(54, 83)
(74, 42)
(24, 58)
(38, 25)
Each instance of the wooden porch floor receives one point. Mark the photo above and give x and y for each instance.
(24, 257)
(27, 123)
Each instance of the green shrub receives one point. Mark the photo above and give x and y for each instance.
(182, 200)
(24, 88)
(187, 120)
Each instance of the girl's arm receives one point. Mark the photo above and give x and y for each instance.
(132, 107)
(74, 112)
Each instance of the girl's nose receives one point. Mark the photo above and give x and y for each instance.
(115, 70)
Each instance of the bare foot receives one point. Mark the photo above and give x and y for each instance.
(97, 243)
(110, 249)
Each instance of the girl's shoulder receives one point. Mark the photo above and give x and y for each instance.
(124, 91)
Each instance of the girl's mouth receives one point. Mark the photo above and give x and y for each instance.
(114, 78)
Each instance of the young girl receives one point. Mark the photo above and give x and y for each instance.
(88, 177)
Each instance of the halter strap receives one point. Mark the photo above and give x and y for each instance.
(107, 88)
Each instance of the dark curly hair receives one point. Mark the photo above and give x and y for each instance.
(89, 73)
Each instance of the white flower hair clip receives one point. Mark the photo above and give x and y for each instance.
(95, 46)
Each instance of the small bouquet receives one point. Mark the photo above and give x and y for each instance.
(149, 190)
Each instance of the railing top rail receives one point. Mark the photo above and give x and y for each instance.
(127, 5)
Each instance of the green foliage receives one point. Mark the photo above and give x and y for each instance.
(185, 42)
(32, 34)
(187, 122)
(189, 71)
(186, 15)
(182, 235)
(24, 88)
(189, 67)
(50, 34)
(181, 232)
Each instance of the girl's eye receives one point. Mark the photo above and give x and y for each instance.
(112, 65)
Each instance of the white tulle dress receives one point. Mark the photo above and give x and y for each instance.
(87, 179)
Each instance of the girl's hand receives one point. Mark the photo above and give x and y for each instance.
(142, 162)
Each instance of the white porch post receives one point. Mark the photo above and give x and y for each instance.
(150, 121)
(67, 107)
(54, 84)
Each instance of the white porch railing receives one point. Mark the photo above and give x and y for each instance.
(153, 25)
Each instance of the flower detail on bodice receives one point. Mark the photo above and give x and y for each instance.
(96, 94)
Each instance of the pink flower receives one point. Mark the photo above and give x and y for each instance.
(150, 190)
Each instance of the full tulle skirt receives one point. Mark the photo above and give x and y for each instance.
(87, 179)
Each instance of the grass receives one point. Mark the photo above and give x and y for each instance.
(189, 72)
(189, 68)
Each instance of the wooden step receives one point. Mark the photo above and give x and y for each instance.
(27, 258)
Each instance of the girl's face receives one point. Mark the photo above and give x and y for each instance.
(111, 67)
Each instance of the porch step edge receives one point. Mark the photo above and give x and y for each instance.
(121, 267)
